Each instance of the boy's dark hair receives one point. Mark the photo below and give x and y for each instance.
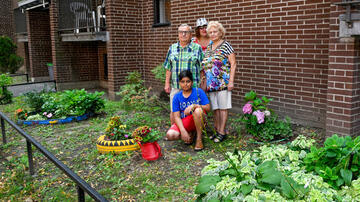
(186, 73)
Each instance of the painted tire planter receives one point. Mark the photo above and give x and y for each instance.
(106, 146)
(56, 121)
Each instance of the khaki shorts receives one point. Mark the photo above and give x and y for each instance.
(220, 99)
(172, 94)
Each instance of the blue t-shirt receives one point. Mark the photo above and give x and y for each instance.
(180, 103)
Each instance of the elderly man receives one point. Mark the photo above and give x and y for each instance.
(183, 55)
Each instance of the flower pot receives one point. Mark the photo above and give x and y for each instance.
(151, 151)
(106, 146)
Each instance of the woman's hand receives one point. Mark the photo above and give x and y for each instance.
(230, 86)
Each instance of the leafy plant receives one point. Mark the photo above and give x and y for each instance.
(146, 134)
(159, 72)
(338, 162)
(35, 100)
(262, 122)
(134, 95)
(115, 130)
(9, 61)
(5, 94)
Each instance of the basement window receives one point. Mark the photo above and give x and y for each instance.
(161, 13)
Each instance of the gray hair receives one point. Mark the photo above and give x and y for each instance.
(217, 25)
(185, 25)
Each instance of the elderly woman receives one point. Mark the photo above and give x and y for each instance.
(219, 64)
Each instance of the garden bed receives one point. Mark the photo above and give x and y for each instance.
(55, 121)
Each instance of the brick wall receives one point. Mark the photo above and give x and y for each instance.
(6, 18)
(125, 49)
(39, 44)
(281, 49)
(343, 98)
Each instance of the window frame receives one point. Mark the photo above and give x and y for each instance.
(156, 13)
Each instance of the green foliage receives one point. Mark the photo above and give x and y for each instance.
(79, 102)
(35, 100)
(5, 94)
(63, 104)
(9, 61)
(260, 121)
(134, 95)
(160, 73)
(332, 162)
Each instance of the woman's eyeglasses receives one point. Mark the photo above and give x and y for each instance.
(203, 27)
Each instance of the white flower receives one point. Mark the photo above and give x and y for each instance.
(267, 113)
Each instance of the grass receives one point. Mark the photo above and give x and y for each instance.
(120, 177)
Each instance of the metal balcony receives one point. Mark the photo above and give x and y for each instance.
(82, 20)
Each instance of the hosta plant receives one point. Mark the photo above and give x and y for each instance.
(270, 173)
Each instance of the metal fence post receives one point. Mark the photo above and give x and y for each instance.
(81, 194)
(30, 157)
(3, 130)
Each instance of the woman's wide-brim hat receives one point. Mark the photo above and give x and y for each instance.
(201, 22)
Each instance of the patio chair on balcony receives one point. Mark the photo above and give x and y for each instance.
(84, 17)
(100, 16)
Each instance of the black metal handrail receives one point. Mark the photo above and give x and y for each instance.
(81, 184)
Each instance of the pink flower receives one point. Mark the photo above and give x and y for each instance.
(260, 116)
(126, 136)
(44, 113)
(247, 109)
(49, 115)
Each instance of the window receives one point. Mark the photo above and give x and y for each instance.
(161, 13)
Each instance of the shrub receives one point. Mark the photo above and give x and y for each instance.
(9, 61)
(134, 95)
(35, 100)
(5, 94)
(160, 73)
(262, 122)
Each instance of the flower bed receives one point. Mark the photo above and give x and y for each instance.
(60, 107)
(277, 173)
(55, 121)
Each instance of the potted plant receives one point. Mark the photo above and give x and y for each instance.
(147, 138)
(116, 138)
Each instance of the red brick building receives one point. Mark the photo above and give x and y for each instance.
(289, 50)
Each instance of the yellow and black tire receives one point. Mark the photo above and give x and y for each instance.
(106, 146)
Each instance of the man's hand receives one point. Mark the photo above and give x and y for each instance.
(188, 109)
(167, 88)
(185, 136)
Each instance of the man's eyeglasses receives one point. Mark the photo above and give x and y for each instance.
(184, 32)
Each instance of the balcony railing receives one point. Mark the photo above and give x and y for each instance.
(82, 15)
